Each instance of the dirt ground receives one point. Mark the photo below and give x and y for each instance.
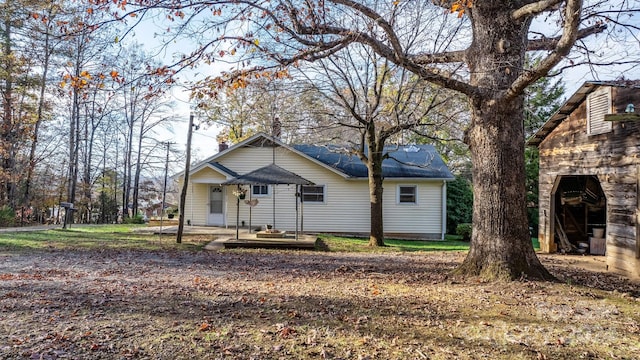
(256, 304)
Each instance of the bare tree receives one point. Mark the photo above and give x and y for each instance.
(146, 109)
(374, 102)
(247, 110)
(477, 50)
(82, 54)
(44, 40)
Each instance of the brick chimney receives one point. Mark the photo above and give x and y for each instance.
(276, 128)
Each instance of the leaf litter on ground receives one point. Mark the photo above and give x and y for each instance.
(258, 304)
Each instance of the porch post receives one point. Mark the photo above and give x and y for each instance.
(238, 215)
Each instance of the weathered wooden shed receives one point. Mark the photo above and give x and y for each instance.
(589, 194)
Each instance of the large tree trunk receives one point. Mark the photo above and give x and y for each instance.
(376, 236)
(374, 166)
(500, 245)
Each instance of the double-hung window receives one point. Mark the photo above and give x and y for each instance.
(313, 193)
(260, 190)
(407, 194)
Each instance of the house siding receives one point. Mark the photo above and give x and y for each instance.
(423, 217)
(346, 204)
(197, 201)
(197, 204)
(611, 157)
(341, 196)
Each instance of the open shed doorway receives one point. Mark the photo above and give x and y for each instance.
(580, 215)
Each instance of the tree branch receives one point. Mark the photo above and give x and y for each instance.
(439, 58)
(551, 43)
(563, 46)
(432, 75)
(386, 27)
(535, 8)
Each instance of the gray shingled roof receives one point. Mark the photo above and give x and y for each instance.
(410, 161)
(269, 175)
(225, 169)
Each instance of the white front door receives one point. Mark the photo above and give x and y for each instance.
(216, 206)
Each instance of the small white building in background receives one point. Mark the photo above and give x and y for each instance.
(414, 197)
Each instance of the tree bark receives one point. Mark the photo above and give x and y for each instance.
(128, 154)
(374, 165)
(8, 131)
(500, 244)
(138, 168)
(39, 116)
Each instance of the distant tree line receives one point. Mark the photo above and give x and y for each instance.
(81, 116)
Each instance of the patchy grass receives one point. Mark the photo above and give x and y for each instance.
(124, 237)
(359, 245)
(97, 237)
(536, 244)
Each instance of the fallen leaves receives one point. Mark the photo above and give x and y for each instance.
(277, 304)
(205, 326)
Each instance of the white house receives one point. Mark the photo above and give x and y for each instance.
(414, 198)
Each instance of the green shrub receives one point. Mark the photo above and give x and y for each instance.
(138, 219)
(459, 203)
(465, 231)
(7, 216)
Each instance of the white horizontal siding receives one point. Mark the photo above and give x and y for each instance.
(208, 175)
(197, 204)
(346, 206)
(425, 216)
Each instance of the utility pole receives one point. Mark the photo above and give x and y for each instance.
(164, 187)
(185, 181)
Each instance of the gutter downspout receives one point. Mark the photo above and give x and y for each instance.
(444, 210)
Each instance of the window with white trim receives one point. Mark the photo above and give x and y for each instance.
(313, 193)
(260, 190)
(407, 194)
(599, 105)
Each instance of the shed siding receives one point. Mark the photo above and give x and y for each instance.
(613, 158)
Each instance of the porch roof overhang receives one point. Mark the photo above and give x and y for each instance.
(269, 175)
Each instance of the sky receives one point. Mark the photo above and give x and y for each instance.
(204, 142)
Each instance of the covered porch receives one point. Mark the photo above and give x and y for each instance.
(270, 175)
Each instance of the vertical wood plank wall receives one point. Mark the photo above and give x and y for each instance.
(612, 157)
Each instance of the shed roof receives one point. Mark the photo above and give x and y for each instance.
(571, 104)
(269, 175)
(410, 161)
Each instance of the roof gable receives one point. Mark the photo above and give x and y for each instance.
(571, 104)
(271, 174)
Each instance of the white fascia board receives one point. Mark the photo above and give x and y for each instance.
(407, 179)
